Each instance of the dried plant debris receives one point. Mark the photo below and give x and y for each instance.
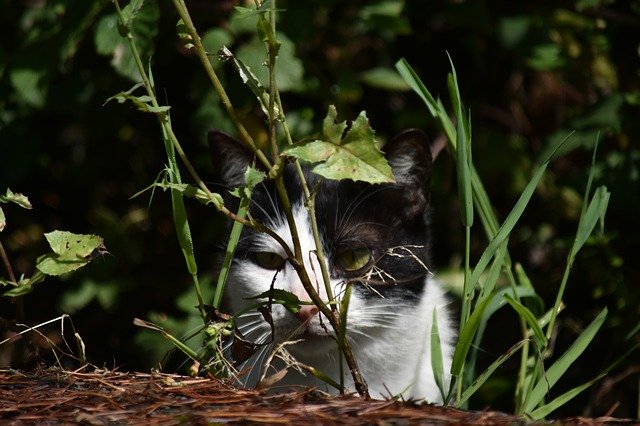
(52, 396)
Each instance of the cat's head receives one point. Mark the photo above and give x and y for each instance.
(374, 237)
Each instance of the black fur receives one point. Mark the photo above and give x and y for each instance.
(352, 214)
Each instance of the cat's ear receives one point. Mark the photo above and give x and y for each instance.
(409, 155)
(230, 158)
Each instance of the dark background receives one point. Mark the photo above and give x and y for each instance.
(530, 74)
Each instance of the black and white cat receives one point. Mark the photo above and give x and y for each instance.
(375, 237)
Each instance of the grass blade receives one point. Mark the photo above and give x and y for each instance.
(529, 318)
(509, 223)
(466, 336)
(563, 363)
(487, 373)
(545, 410)
(437, 364)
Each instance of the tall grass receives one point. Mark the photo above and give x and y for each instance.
(481, 296)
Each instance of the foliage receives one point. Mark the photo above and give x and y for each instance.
(529, 74)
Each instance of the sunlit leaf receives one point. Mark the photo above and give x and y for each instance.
(355, 156)
(70, 252)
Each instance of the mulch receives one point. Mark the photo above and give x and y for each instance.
(101, 397)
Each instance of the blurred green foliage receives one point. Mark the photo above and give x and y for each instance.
(531, 73)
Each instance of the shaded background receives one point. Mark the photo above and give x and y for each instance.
(530, 73)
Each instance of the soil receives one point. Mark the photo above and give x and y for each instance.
(52, 396)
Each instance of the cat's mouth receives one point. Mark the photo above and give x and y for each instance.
(311, 336)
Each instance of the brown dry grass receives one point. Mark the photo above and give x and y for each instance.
(52, 396)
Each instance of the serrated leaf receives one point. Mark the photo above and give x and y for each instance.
(3, 220)
(356, 156)
(333, 131)
(68, 245)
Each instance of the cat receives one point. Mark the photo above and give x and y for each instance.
(375, 237)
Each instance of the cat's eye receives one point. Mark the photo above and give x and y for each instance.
(354, 260)
(269, 260)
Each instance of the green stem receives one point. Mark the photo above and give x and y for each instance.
(182, 10)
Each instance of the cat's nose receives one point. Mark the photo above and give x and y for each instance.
(306, 312)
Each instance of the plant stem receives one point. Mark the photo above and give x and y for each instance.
(12, 277)
(182, 10)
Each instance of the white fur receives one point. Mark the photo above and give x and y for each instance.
(390, 339)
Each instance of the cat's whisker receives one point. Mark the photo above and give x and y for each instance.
(390, 311)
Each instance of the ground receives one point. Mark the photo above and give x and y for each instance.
(53, 396)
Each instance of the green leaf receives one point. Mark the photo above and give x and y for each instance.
(140, 102)
(384, 78)
(466, 336)
(24, 286)
(437, 364)
(557, 370)
(509, 223)
(71, 246)
(463, 151)
(70, 252)
(556, 403)
(142, 21)
(214, 39)
(282, 297)
(249, 78)
(482, 378)
(29, 85)
(594, 213)
(356, 156)
(529, 318)
(289, 69)
(16, 198)
(252, 178)
(130, 11)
